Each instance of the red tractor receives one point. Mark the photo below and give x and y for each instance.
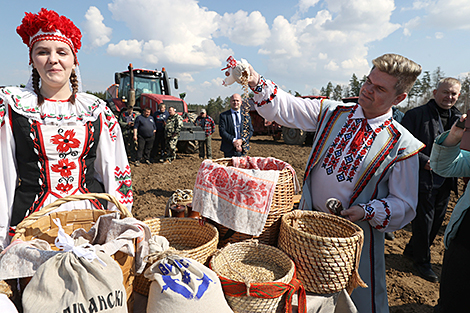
(141, 88)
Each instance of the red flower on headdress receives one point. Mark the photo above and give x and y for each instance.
(49, 21)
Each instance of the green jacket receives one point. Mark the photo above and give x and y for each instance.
(173, 126)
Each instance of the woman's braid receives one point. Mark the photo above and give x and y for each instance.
(74, 82)
(36, 78)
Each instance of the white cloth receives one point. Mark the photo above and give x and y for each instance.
(302, 113)
(6, 305)
(239, 199)
(22, 258)
(111, 164)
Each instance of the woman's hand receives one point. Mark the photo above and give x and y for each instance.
(455, 134)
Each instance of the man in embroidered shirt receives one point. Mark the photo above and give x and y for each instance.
(207, 123)
(235, 129)
(426, 122)
(360, 156)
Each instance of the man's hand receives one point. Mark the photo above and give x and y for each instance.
(427, 166)
(254, 77)
(238, 145)
(354, 213)
(135, 137)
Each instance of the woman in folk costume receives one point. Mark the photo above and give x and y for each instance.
(56, 141)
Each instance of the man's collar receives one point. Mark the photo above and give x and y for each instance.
(373, 122)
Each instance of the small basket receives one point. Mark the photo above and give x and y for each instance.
(325, 248)
(187, 235)
(282, 203)
(250, 263)
(39, 225)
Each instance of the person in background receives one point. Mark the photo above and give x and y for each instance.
(360, 156)
(126, 121)
(426, 122)
(397, 114)
(144, 134)
(235, 128)
(207, 123)
(173, 126)
(160, 116)
(56, 141)
(448, 160)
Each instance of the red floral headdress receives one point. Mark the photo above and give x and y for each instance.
(48, 25)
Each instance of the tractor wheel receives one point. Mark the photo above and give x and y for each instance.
(293, 136)
(188, 147)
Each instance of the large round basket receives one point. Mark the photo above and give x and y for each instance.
(40, 225)
(325, 248)
(255, 264)
(282, 203)
(187, 235)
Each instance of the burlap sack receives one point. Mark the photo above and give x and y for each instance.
(67, 283)
(183, 285)
(80, 280)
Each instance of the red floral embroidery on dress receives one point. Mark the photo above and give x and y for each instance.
(65, 142)
(64, 188)
(64, 167)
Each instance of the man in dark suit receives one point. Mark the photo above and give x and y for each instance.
(235, 129)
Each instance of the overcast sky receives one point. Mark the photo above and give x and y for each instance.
(300, 45)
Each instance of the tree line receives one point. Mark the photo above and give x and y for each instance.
(418, 95)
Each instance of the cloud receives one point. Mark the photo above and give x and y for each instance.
(439, 35)
(183, 38)
(98, 33)
(126, 48)
(445, 14)
(335, 40)
(411, 25)
(332, 66)
(417, 5)
(244, 29)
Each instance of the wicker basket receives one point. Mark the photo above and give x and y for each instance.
(38, 225)
(198, 242)
(326, 250)
(252, 263)
(282, 203)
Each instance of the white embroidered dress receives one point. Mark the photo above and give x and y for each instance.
(55, 150)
